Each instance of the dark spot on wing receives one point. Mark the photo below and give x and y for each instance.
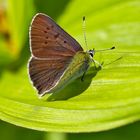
(65, 41)
(56, 35)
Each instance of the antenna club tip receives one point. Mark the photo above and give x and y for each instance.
(84, 18)
(113, 48)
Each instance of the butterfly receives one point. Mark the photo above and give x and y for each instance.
(57, 58)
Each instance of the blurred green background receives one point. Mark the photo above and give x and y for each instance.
(15, 18)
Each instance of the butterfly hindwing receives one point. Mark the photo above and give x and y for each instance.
(46, 73)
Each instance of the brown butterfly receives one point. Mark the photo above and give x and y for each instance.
(57, 58)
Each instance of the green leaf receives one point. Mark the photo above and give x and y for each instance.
(108, 97)
(19, 14)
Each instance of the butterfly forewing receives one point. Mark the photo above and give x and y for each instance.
(52, 51)
(47, 38)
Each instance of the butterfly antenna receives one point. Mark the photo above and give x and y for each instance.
(84, 31)
(105, 49)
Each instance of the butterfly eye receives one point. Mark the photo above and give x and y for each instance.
(91, 54)
(65, 41)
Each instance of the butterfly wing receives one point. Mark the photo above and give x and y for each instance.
(46, 73)
(47, 39)
(52, 51)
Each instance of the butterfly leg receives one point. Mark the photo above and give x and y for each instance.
(96, 62)
(82, 78)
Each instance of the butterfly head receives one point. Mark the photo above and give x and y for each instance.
(91, 53)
